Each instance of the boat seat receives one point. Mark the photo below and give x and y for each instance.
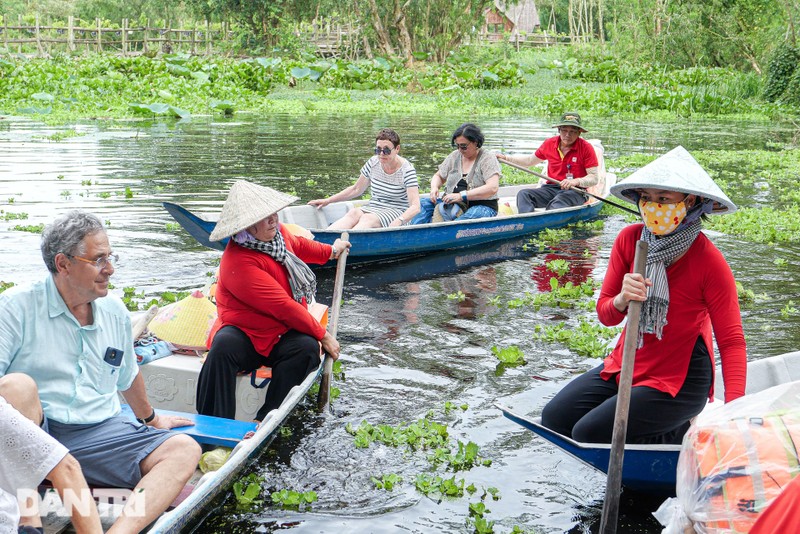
(305, 216)
(766, 373)
(207, 429)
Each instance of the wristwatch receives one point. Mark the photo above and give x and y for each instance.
(334, 251)
(148, 418)
(464, 196)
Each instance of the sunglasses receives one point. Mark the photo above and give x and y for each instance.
(462, 146)
(385, 151)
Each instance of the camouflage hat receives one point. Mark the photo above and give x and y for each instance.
(570, 119)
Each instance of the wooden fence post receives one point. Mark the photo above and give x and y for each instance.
(208, 38)
(71, 33)
(145, 47)
(19, 33)
(99, 36)
(5, 30)
(38, 38)
(194, 39)
(124, 37)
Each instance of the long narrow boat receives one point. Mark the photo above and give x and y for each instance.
(652, 468)
(412, 240)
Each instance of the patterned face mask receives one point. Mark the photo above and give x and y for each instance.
(661, 219)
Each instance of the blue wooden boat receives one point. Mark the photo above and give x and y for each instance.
(652, 468)
(646, 468)
(382, 244)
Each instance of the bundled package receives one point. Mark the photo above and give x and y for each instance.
(737, 458)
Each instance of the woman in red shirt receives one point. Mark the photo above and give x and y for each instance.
(263, 293)
(688, 289)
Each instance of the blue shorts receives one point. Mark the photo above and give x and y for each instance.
(110, 451)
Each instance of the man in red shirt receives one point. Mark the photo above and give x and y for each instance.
(570, 160)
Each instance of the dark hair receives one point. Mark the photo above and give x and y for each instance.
(387, 134)
(65, 235)
(470, 132)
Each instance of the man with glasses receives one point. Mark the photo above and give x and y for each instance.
(74, 339)
(571, 162)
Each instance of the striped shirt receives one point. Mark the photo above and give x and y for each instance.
(389, 190)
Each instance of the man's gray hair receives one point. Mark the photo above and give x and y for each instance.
(65, 235)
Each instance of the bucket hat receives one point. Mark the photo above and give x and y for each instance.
(570, 119)
(678, 171)
(248, 203)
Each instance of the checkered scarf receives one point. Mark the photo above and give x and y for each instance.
(661, 253)
(301, 278)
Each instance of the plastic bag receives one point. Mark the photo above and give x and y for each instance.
(213, 460)
(736, 459)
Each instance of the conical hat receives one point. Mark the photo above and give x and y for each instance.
(185, 323)
(676, 170)
(248, 203)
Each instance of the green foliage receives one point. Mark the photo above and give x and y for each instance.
(765, 224)
(560, 267)
(5, 285)
(293, 500)
(9, 216)
(459, 296)
(436, 486)
(788, 310)
(32, 228)
(465, 458)
(588, 339)
(246, 490)
(510, 356)
(781, 68)
(422, 434)
(387, 482)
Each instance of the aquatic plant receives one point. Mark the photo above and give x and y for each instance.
(509, 356)
(5, 285)
(387, 482)
(766, 224)
(10, 216)
(560, 267)
(246, 490)
(587, 339)
(436, 486)
(465, 458)
(459, 296)
(293, 500)
(32, 228)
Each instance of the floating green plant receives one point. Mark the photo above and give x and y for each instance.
(509, 356)
(458, 296)
(293, 500)
(246, 490)
(5, 285)
(9, 216)
(32, 228)
(560, 267)
(587, 339)
(387, 482)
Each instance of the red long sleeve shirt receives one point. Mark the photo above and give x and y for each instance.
(702, 295)
(253, 292)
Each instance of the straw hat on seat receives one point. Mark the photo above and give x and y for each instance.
(185, 323)
(248, 203)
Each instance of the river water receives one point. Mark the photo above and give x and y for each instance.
(407, 347)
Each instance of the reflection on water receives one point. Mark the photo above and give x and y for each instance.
(415, 334)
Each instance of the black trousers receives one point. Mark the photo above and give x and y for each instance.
(584, 409)
(549, 196)
(292, 359)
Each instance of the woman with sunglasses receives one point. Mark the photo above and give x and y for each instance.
(688, 288)
(470, 176)
(393, 186)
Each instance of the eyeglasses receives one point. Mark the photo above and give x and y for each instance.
(99, 263)
(462, 146)
(385, 151)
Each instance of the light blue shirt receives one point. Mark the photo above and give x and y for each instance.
(40, 337)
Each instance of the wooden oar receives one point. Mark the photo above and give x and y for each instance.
(581, 189)
(608, 521)
(333, 326)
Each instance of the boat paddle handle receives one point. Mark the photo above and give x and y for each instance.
(609, 519)
(323, 399)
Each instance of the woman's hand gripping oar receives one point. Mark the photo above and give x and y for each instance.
(323, 400)
(581, 189)
(608, 521)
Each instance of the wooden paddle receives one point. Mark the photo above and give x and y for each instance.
(581, 189)
(323, 399)
(609, 519)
